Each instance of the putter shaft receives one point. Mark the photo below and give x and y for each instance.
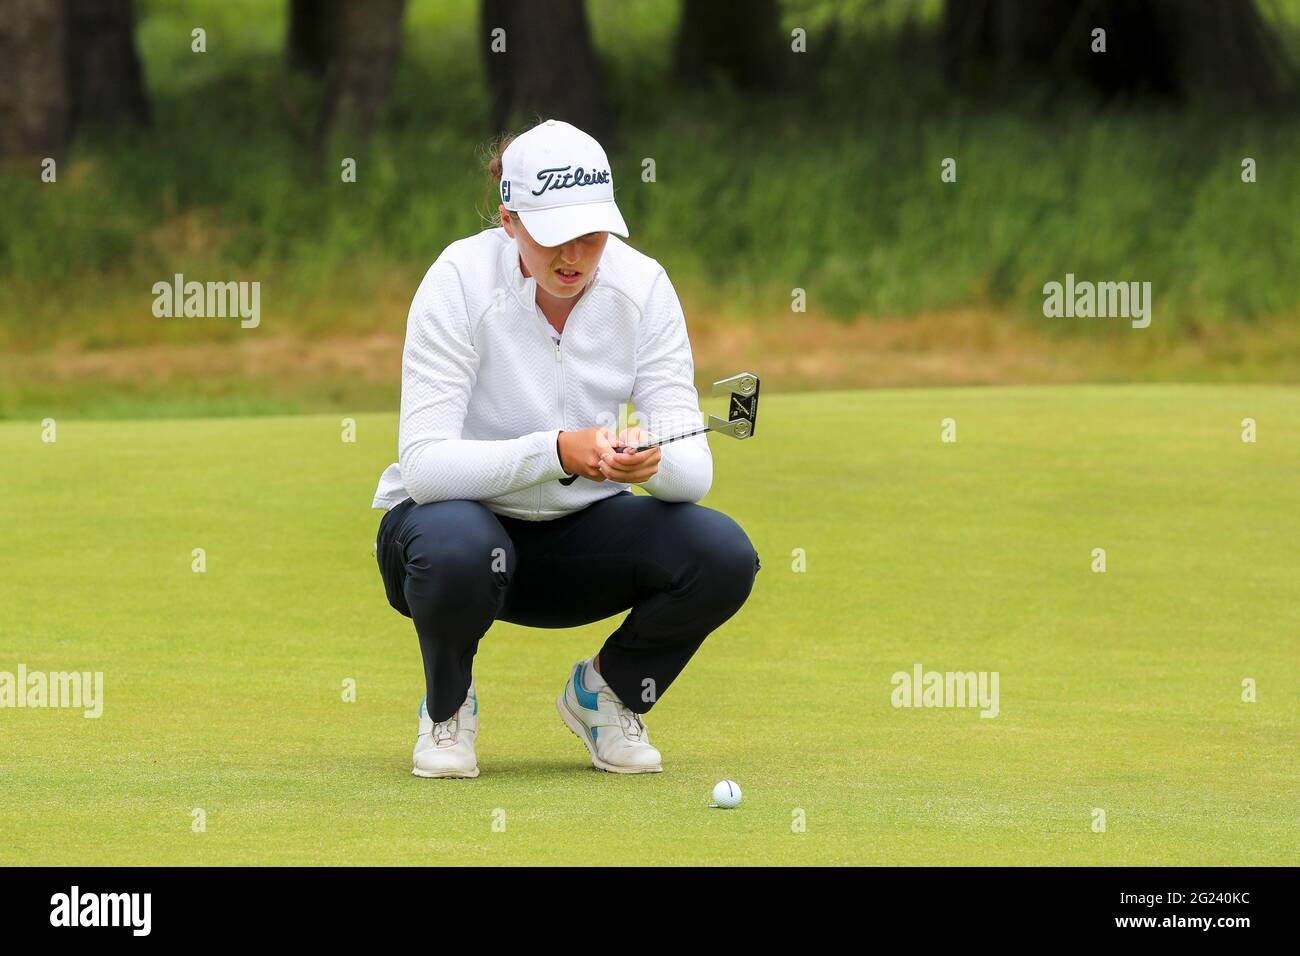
(742, 416)
(662, 441)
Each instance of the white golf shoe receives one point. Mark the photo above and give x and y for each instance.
(615, 735)
(446, 748)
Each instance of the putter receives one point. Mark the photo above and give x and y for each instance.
(741, 420)
(742, 413)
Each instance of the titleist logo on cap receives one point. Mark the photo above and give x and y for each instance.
(559, 177)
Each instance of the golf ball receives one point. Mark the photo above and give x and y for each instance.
(726, 794)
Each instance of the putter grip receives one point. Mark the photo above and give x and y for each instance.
(621, 450)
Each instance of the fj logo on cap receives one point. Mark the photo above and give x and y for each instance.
(559, 177)
(505, 190)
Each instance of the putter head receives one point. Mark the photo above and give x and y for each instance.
(742, 409)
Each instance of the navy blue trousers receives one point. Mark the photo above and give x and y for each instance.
(454, 567)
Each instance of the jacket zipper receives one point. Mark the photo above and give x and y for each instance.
(559, 377)
(559, 396)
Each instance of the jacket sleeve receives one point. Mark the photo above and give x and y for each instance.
(665, 398)
(439, 369)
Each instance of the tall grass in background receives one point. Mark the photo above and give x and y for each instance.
(831, 186)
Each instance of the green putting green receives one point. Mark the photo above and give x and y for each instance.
(1119, 691)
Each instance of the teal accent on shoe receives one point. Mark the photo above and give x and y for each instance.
(593, 734)
(585, 697)
(420, 713)
(476, 705)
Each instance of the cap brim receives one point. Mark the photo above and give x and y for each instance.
(559, 224)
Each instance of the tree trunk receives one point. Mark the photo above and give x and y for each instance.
(33, 91)
(1162, 48)
(744, 44)
(105, 85)
(549, 68)
(312, 25)
(364, 48)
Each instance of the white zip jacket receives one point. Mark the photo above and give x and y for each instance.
(486, 390)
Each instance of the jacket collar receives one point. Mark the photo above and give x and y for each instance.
(522, 287)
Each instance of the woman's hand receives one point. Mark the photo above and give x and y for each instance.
(581, 452)
(627, 467)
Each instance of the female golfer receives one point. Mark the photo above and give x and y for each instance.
(511, 500)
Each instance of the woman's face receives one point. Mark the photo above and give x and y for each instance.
(546, 263)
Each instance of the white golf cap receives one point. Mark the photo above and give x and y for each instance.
(559, 181)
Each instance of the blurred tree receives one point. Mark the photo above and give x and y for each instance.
(746, 46)
(311, 25)
(33, 92)
(1165, 48)
(548, 68)
(105, 86)
(362, 41)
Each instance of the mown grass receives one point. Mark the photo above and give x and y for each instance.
(1118, 691)
(830, 185)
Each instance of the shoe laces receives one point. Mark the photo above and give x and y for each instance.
(445, 731)
(633, 725)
